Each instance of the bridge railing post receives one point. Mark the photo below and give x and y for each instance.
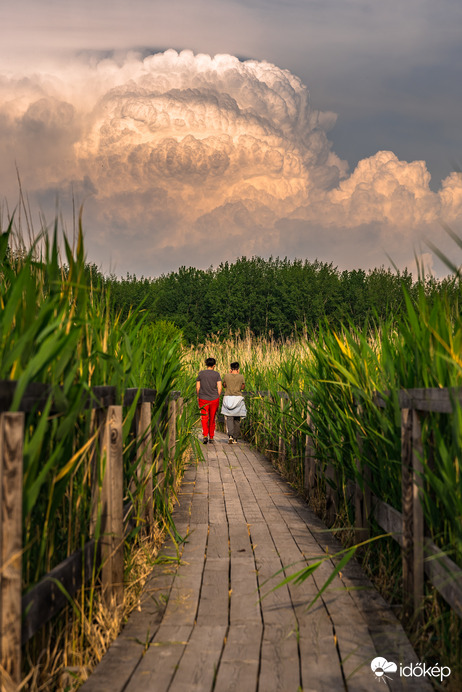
(362, 494)
(309, 479)
(412, 511)
(144, 463)
(281, 437)
(107, 499)
(11, 471)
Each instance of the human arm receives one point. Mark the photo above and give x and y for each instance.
(198, 387)
(219, 387)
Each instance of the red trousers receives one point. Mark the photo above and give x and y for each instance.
(208, 413)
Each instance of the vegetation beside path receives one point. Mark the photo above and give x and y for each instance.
(58, 327)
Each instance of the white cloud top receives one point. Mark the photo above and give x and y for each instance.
(188, 159)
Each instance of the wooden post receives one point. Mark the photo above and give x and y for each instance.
(281, 441)
(310, 458)
(362, 493)
(159, 429)
(11, 471)
(417, 512)
(107, 498)
(331, 493)
(172, 432)
(407, 510)
(144, 463)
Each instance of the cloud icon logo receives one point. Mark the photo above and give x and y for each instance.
(380, 667)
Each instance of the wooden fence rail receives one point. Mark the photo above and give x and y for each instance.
(22, 616)
(420, 555)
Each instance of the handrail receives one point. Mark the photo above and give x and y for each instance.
(419, 554)
(22, 616)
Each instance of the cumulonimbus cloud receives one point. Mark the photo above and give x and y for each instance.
(183, 158)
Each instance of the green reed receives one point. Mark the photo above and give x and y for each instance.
(57, 327)
(333, 375)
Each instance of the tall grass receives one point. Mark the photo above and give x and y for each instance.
(56, 327)
(338, 372)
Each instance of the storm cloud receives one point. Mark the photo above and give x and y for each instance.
(191, 159)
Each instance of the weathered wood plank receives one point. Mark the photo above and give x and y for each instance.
(11, 469)
(425, 399)
(417, 513)
(388, 518)
(407, 509)
(213, 606)
(46, 599)
(160, 661)
(197, 668)
(112, 531)
(445, 575)
(240, 662)
(144, 464)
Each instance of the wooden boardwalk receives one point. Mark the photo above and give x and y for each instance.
(202, 625)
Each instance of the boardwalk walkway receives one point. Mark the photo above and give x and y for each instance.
(202, 627)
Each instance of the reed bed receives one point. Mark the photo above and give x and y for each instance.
(57, 327)
(338, 371)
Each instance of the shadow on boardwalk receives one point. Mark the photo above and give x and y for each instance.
(202, 625)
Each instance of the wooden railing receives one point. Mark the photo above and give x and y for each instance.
(420, 556)
(22, 616)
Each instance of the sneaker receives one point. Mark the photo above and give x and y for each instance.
(234, 441)
(211, 441)
(205, 440)
(230, 440)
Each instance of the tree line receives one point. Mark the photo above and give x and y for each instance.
(278, 297)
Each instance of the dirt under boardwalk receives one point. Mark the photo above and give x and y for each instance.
(203, 625)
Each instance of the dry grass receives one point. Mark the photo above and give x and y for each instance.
(80, 643)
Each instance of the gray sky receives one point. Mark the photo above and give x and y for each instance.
(391, 71)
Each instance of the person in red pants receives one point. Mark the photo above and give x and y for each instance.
(208, 390)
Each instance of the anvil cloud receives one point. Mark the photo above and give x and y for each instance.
(188, 159)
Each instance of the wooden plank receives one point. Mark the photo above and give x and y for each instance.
(407, 509)
(160, 661)
(240, 662)
(108, 500)
(280, 665)
(434, 399)
(35, 396)
(245, 607)
(145, 396)
(332, 495)
(46, 599)
(102, 397)
(445, 576)
(309, 479)
(388, 518)
(362, 492)
(11, 469)
(417, 514)
(282, 431)
(442, 572)
(172, 432)
(213, 606)
(197, 667)
(144, 464)
(218, 541)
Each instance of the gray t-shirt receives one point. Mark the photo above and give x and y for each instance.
(208, 380)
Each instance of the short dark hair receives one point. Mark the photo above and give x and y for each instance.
(210, 362)
(234, 366)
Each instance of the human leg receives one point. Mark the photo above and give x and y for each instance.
(213, 408)
(204, 406)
